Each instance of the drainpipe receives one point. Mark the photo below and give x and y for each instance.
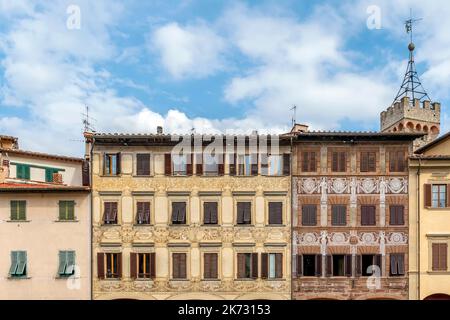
(91, 218)
(418, 230)
(292, 219)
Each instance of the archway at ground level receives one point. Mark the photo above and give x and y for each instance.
(438, 296)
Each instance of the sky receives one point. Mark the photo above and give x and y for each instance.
(210, 66)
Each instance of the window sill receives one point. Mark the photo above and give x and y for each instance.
(142, 225)
(246, 279)
(76, 220)
(143, 176)
(18, 278)
(244, 225)
(144, 279)
(179, 280)
(276, 225)
(64, 277)
(210, 225)
(438, 208)
(438, 272)
(274, 279)
(18, 221)
(110, 225)
(179, 225)
(112, 279)
(214, 279)
(110, 175)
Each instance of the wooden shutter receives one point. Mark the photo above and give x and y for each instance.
(299, 265)
(435, 256)
(214, 266)
(213, 212)
(278, 265)
(254, 164)
(342, 161)
(264, 265)
(312, 161)
(318, 265)
(401, 264)
(175, 265)
(85, 176)
(240, 213)
(133, 265)
(392, 160)
(247, 212)
(207, 265)
(305, 161)
(190, 164)
(143, 164)
(101, 265)
(71, 210)
(286, 164)
(275, 212)
(334, 161)
(152, 265)
(364, 162)
(221, 165)
(199, 164)
(182, 212)
(377, 261)
(22, 210)
(443, 256)
(232, 166)
(119, 265)
(447, 202)
(358, 267)
(106, 211)
(175, 210)
(241, 265)
(183, 266)
(118, 166)
(372, 162)
(348, 265)
(364, 217)
(427, 195)
(329, 265)
(401, 161)
(167, 164)
(393, 264)
(254, 261)
(210, 212)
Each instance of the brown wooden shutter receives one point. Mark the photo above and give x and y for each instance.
(401, 264)
(264, 265)
(392, 160)
(443, 256)
(329, 265)
(435, 256)
(175, 265)
(199, 164)
(207, 265)
(278, 265)
(214, 265)
(247, 212)
(232, 158)
(358, 267)
(393, 264)
(240, 213)
(143, 164)
(343, 162)
(305, 161)
(312, 162)
(181, 265)
(206, 212)
(377, 261)
(118, 166)
(299, 265)
(401, 161)
(190, 164)
(254, 164)
(372, 162)
(152, 265)
(133, 265)
(364, 220)
(348, 265)
(221, 165)
(254, 265)
(241, 265)
(427, 195)
(101, 265)
(286, 164)
(167, 164)
(275, 212)
(106, 211)
(447, 203)
(214, 214)
(119, 265)
(318, 265)
(364, 161)
(334, 161)
(85, 173)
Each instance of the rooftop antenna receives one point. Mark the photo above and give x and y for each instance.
(294, 115)
(411, 86)
(87, 121)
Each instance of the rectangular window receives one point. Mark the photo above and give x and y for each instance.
(23, 171)
(211, 164)
(311, 265)
(439, 196)
(396, 215)
(66, 263)
(368, 215)
(66, 210)
(143, 164)
(110, 212)
(309, 161)
(18, 264)
(112, 164)
(338, 215)
(247, 265)
(247, 165)
(179, 266)
(370, 263)
(275, 265)
(144, 264)
(339, 161)
(143, 212)
(368, 161)
(275, 212)
(18, 210)
(210, 212)
(210, 266)
(180, 163)
(439, 256)
(178, 212)
(244, 213)
(113, 265)
(309, 215)
(397, 161)
(397, 264)
(275, 165)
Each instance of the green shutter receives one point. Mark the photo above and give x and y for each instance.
(18, 210)
(66, 210)
(22, 263)
(14, 260)
(22, 210)
(70, 210)
(23, 171)
(62, 263)
(62, 210)
(70, 258)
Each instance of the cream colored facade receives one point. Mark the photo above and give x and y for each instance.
(42, 235)
(429, 225)
(194, 238)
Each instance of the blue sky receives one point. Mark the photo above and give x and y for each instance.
(216, 66)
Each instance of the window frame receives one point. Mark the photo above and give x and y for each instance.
(17, 217)
(74, 218)
(150, 164)
(16, 261)
(439, 194)
(339, 224)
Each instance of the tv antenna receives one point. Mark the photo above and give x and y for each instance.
(87, 121)
(294, 115)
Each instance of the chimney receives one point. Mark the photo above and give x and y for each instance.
(159, 130)
(4, 170)
(8, 142)
(299, 128)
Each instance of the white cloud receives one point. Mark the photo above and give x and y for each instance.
(189, 51)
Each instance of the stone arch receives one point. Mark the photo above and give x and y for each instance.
(401, 127)
(379, 296)
(438, 296)
(418, 127)
(434, 130)
(195, 296)
(410, 126)
(425, 128)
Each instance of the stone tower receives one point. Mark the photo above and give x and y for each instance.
(412, 109)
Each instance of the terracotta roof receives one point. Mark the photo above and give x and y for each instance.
(432, 143)
(42, 187)
(41, 155)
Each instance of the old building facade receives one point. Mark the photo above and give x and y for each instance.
(429, 202)
(170, 225)
(44, 225)
(350, 215)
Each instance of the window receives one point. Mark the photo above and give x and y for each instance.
(66, 210)
(66, 263)
(23, 171)
(210, 212)
(110, 213)
(109, 265)
(178, 212)
(439, 196)
(275, 165)
(275, 212)
(439, 256)
(248, 165)
(370, 263)
(18, 210)
(143, 212)
(244, 213)
(179, 265)
(211, 164)
(368, 161)
(338, 215)
(339, 161)
(397, 161)
(112, 164)
(143, 164)
(180, 164)
(368, 216)
(397, 264)
(247, 265)
(309, 215)
(310, 265)
(271, 265)
(142, 265)
(49, 174)
(338, 265)
(18, 264)
(309, 161)
(396, 215)
(210, 266)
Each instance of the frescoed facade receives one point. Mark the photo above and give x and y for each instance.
(170, 226)
(44, 225)
(429, 175)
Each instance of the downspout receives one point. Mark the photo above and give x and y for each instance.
(91, 216)
(292, 218)
(418, 230)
